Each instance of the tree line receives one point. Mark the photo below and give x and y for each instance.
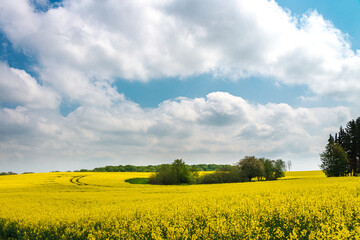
(341, 156)
(245, 170)
(151, 168)
(7, 173)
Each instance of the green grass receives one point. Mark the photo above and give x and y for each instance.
(138, 180)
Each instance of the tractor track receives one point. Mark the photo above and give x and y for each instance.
(76, 180)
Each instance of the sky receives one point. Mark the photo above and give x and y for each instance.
(86, 83)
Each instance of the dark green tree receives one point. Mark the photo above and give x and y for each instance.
(279, 168)
(251, 167)
(349, 140)
(181, 171)
(341, 136)
(176, 173)
(273, 169)
(334, 160)
(164, 176)
(268, 172)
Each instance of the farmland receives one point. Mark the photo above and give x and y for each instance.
(89, 205)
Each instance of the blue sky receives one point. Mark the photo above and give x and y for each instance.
(254, 89)
(343, 14)
(86, 84)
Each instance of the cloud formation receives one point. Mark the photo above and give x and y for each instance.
(218, 128)
(18, 88)
(141, 40)
(83, 47)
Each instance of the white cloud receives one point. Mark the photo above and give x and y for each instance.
(219, 128)
(84, 41)
(18, 87)
(82, 47)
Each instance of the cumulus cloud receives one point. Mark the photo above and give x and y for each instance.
(82, 41)
(19, 88)
(218, 128)
(82, 47)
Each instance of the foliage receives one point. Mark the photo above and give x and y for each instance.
(151, 168)
(334, 160)
(232, 174)
(349, 140)
(176, 173)
(246, 169)
(279, 168)
(180, 173)
(209, 167)
(164, 176)
(268, 173)
(103, 206)
(251, 167)
(7, 173)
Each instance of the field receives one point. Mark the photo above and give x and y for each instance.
(303, 205)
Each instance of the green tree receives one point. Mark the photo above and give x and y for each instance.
(251, 167)
(176, 173)
(181, 171)
(268, 172)
(227, 174)
(349, 140)
(164, 176)
(334, 160)
(279, 168)
(272, 169)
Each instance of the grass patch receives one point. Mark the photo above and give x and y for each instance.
(138, 180)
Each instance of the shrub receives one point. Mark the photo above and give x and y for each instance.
(272, 169)
(251, 167)
(176, 173)
(229, 174)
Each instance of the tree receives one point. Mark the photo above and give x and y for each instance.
(268, 172)
(288, 163)
(181, 171)
(272, 169)
(349, 139)
(251, 167)
(279, 167)
(334, 160)
(230, 174)
(164, 176)
(176, 173)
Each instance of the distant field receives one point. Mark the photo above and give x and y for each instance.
(303, 205)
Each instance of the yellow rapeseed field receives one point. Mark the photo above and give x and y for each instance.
(303, 205)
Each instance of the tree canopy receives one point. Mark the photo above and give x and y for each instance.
(251, 167)
(334, 160)
(348, 139)
(245, 170)
(176, 173)
(151, 168)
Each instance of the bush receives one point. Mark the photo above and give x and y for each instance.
(230, 174)
(176, 173)
(272, 169)
(246, 169)
(251, 167)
